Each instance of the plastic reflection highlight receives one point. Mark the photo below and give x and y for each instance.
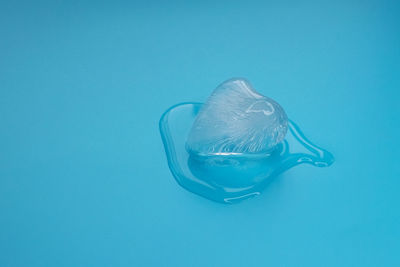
(230, 179)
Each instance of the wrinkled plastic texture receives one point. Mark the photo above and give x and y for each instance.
(237, 120)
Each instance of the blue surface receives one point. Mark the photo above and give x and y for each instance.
(84, 179)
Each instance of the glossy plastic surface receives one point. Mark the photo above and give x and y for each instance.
(231, 178)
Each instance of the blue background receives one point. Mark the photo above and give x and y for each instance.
(84, 179)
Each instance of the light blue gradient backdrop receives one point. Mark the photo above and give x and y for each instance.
(84, 179)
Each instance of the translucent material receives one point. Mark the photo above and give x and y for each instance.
(231, 178)
(236, 120)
